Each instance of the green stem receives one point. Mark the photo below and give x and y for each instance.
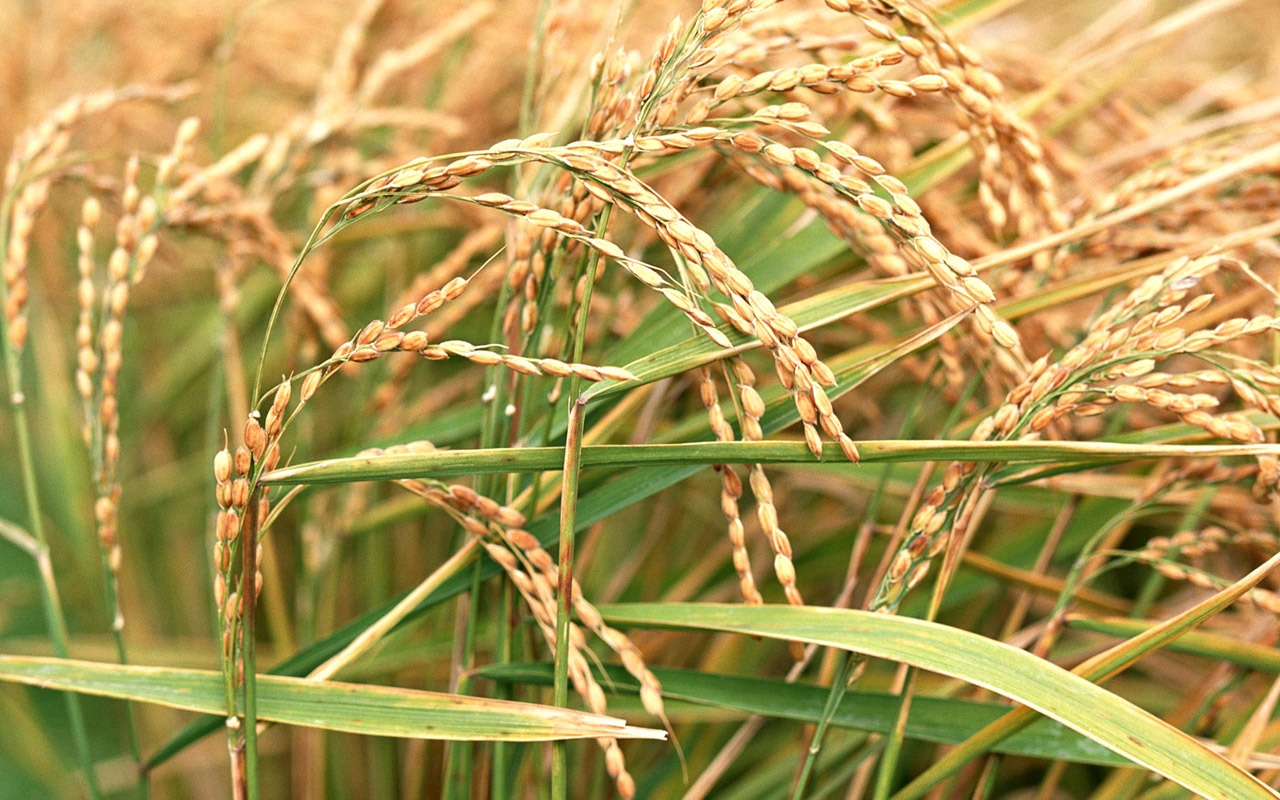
(58, 631)
(888, 766)
(834, 698)
(122, 656)
(530, 88)
(55, 618)
(569, 514)
(19, 538)
(1155, 582)
(225, 627)
(228, 633)
(573, 442)
(248, 582)
(849, 664)
(568, 522)
(458, 767)
(499, 776)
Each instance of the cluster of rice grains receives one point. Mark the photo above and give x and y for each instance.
(230, 201)
(848, 106)
(535, 575)
(1164, 553)
(244, 505)
(1114, 363)
(709, 88)
(647, 123)
(100, 353)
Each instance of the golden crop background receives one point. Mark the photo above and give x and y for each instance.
(1123, 102)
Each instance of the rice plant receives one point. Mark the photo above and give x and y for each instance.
(861, 398)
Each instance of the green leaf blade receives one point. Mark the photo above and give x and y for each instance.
(1086, 708)
(331, 705)
(447, 463)
(940, 720)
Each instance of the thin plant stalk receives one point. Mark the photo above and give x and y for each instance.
(373, 634)
(847, 673)
(499, 777)
(458, 767)
(110, 588)
(234, 750)
(55, 618)
(492, 430)
(569, 502)
(122, 656)
(1155, 581)
(248, 579)
(19, 538)
(532, 60)
(568, 522)
(849, 666)
(967, 521)
(569, 512)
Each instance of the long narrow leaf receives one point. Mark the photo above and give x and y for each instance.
(808, 314)
(532, 459)
(1089, 709)
(625, 489)
(933, 719)
(332, 705)
(1196, 643)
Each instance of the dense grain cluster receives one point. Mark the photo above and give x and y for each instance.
(100, 347)
(33, 164)
(534, 573)
(1121, 348)
(607, 232)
